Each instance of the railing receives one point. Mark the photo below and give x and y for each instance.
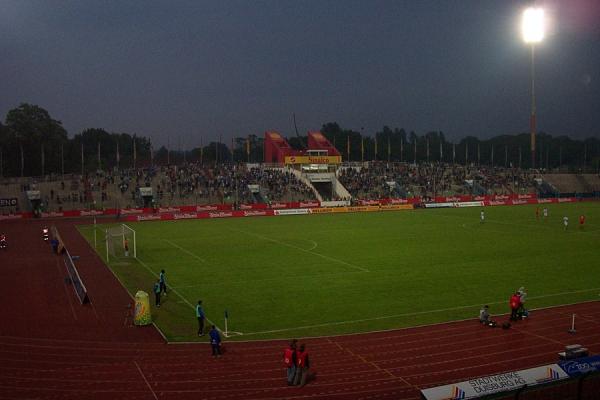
(74, 278)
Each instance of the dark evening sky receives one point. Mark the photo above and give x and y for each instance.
(192, 69)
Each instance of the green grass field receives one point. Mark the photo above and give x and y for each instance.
(330, 274)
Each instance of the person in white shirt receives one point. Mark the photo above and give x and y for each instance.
(482, 216)
(566, 222)
(484, 315)
(523, 295)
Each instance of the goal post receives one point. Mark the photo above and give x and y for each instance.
(129, 235)
(121, 242)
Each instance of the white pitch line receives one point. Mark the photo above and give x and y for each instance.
(175, 291)
(410, 314)
(184, 250)
(145, 380)
(301, 249)
(286, 277)
(314, 245)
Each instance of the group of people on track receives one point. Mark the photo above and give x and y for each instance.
(297, 364)
(517, 308)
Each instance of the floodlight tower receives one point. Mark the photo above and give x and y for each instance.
(532, 28)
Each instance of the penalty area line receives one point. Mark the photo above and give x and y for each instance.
(410, 314)
(185, 251)
(303, 250)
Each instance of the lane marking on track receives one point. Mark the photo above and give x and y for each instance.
(413, 313)
(303, 250)
(579, 316)
(175, 291)
(472, 366)
(66, 291)
(526, 332)
(371, 363)
(145, 380)
(185, 251)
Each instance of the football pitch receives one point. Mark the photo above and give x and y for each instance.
(315, 275)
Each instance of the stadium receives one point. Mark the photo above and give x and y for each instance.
(325, 264)
(384, 313)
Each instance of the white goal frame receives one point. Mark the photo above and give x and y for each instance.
(124, 229)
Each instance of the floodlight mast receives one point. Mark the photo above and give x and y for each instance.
(532, 27)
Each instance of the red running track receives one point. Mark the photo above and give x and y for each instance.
(51, 347)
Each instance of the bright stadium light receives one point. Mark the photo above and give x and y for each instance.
(532, 25)
(532, 28)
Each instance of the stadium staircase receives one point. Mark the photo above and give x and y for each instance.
(592, 181)
(300, 176)
(260, 196)
(477, 189)
(328, 185)
(399, 191)
(587, 188)
(340, 191)
(546, 189)
(565, 183)
(54, 348)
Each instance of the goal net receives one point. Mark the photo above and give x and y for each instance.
(120, 242)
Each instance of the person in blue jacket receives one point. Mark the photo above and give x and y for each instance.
(200, 316)
(163, 282)
(215, 341)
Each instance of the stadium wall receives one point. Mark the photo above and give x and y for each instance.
(295, 208)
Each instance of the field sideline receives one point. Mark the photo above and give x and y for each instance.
(332, 274)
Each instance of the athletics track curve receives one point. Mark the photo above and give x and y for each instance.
(51, 347)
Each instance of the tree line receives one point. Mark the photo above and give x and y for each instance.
(503, 150)
(32, 143)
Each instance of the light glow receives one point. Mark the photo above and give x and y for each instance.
(532, 25)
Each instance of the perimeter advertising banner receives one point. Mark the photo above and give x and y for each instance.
(313, 159)
(9, 202)
(505, 382)
(394, 207)
(581, 366)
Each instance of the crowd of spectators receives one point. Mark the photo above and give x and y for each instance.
(175, 185)
(229, 183)
(380, 179)
(193, 183)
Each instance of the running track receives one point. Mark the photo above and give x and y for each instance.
(51, 347)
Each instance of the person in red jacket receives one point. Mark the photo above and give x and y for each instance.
(515, 303)
(303, 366)
(290, 361)
(581, 221)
